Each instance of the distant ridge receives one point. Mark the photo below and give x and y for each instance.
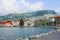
(27, 15)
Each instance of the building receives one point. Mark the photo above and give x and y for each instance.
(27, 22)
(47, 16)
(55, 20)
(5, 23)
(9, 23)
(15, 23)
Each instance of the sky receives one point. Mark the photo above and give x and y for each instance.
(22, 6)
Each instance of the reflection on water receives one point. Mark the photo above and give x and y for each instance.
(16, 33)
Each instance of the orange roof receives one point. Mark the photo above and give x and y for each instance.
(55, 17)
(6, 22)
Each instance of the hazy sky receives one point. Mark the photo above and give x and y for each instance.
(19, 6)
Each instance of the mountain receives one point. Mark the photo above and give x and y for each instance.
(27, 15)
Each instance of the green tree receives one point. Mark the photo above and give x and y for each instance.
(37, 23)
(44, 22)
(21, 22)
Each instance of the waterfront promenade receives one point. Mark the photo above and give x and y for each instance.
(52, 36)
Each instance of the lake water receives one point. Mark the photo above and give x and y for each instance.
(16, 33)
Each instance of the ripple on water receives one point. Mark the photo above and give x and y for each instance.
(16, 33)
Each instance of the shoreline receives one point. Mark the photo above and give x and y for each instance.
(39, 35)
(46, 34)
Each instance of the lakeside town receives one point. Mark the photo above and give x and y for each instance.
(46, 20)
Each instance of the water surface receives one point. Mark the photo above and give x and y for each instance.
(16, 33)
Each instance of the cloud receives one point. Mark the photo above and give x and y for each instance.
(57, 9)
(32, 7)
(10, 6)
(18, 6)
